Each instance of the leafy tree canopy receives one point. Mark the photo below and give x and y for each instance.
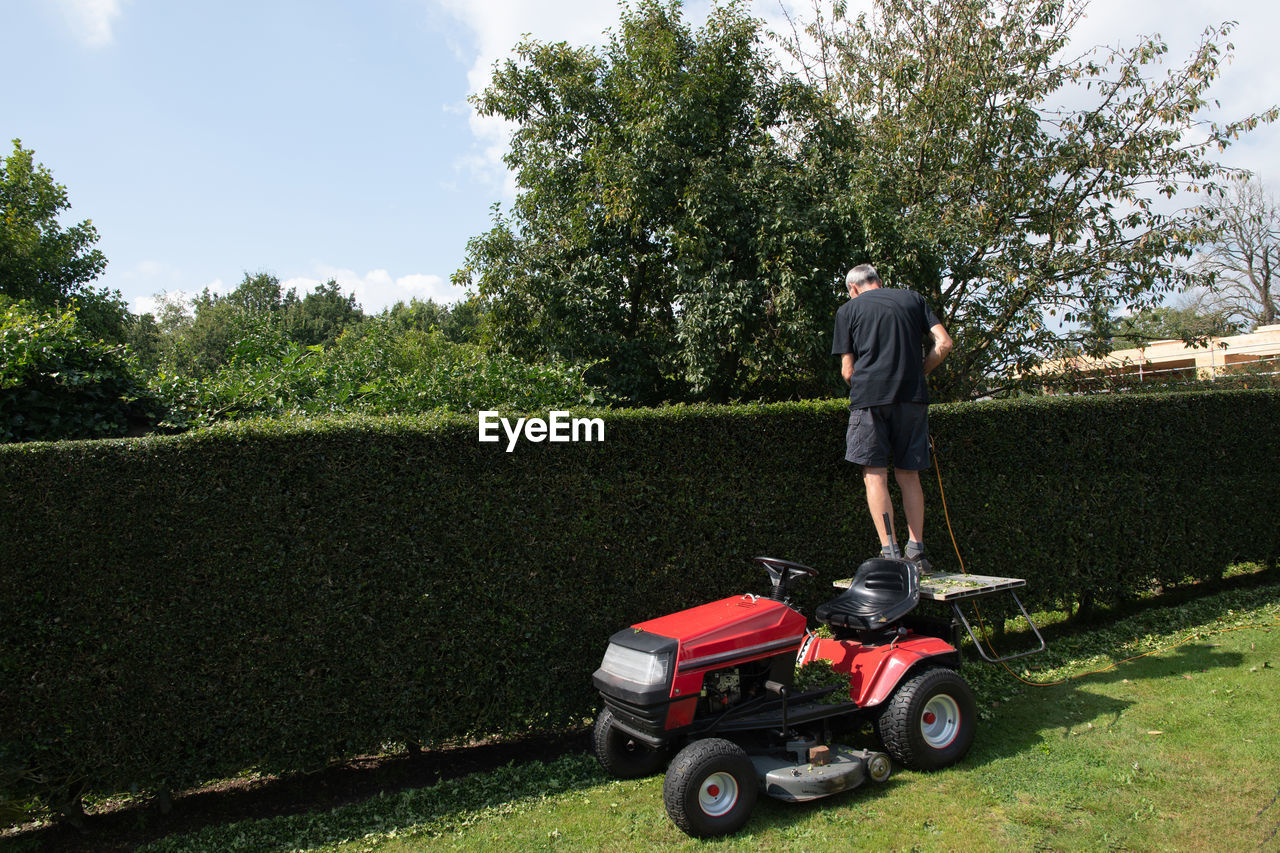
(377, 368)
(251, 318)
(1022, 193)
(45, 264)
(462, 323)
(1190, 323)
(669, 228)
(320, 316)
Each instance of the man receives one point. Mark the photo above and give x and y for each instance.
(880, 336)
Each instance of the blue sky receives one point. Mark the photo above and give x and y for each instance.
(319, 139)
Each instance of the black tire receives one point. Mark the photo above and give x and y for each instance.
(929, 721)
(710, 788)
(621, 755)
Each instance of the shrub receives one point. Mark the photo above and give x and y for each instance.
(377, 369)
(275, 594)
(57, 382)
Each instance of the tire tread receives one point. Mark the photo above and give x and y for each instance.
(685, 775)
(897, 729)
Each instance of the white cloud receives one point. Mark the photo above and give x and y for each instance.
(145, 305)
(184, 298)
(377, 289)
(157, 275)
(497, 26)
(91, 20)
(374, 290)
(153, 304)
(163, 281)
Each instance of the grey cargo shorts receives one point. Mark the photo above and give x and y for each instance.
(897, 430)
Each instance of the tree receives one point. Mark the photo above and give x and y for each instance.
(256, 317)
(258, 294)
(667, 231)
(1010, 212)
(466, 322)
(1243, 254)
(159, 340)
(462, 323)
(318, 318)
(41, 262)
(225, 325)
(1192, 322)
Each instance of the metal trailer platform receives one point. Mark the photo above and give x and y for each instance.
(953, 588)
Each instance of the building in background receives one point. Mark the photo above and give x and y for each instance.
(1174, 360)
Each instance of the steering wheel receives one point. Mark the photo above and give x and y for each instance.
(782, 571)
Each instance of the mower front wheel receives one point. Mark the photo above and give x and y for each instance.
(621, 755)
(929, 721)
(710, 788)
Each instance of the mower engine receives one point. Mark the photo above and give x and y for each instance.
(722, 690)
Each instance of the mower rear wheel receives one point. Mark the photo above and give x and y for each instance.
(710, 788)
(929, 721)
(621, 755)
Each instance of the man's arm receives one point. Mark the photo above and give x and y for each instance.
(938, 351)
(846, 367)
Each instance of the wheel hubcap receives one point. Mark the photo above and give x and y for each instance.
(718, 794)
(940, 722)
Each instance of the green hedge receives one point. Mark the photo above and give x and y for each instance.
(278, 594)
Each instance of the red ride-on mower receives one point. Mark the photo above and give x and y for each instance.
(715, 687)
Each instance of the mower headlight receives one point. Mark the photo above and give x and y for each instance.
(644, 668)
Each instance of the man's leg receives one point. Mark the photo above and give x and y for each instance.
(912, 502)
(879, 502)
(911, 455)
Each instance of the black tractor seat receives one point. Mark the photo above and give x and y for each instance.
(882, 592)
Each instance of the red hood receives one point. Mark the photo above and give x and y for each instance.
(740, 627)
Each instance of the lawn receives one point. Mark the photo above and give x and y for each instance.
(1175, 749)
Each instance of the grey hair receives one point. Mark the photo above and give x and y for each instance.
(862, 274)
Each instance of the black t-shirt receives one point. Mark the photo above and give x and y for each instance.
(884, 329)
